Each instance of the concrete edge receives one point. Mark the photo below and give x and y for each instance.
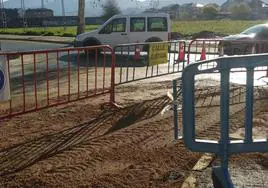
(36, 40)
(202, 163)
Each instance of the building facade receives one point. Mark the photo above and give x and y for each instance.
(39, 13)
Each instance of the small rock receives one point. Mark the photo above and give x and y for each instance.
(172, 176)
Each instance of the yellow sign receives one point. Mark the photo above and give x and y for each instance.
(158, 54)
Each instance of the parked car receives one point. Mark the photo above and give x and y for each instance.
(252, 40)
(123, 29)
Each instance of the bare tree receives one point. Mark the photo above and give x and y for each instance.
(81, 17)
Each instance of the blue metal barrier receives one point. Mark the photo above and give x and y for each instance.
(225, 146)
(175, 108)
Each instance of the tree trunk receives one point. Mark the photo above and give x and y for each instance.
(81, 17)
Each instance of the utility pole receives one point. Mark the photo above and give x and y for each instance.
(81, 17)
(3, 14)
(42, 4)
(42, 13)
(63, 14)
(24, 20)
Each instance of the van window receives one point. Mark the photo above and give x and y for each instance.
(116, 25)
(157, 24)
(137, 24)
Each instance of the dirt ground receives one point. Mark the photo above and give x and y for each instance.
(91, 144)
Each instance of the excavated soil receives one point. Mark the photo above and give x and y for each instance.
(91, 144)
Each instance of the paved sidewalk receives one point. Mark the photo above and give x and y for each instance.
(247, 171)
(50, 39)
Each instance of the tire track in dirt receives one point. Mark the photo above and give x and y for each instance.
(124, 132)
(157, 106)
(24, 155)
(236, 120)
(118, 138)
(69, 140)
(122, 143)
(153, 162)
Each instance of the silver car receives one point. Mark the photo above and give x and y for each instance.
(252, 40)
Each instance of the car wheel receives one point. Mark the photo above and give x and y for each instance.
(228, 49)
(91, 42)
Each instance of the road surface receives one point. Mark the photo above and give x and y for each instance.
(8, 45)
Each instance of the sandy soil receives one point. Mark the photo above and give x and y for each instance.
(91, 144)
(88, 143)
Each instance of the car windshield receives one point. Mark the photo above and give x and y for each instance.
(253, 30)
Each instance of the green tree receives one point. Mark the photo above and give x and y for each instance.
(110, 9)
(215, 5)
(210, 13)
(240, 11)
(256, 4)
(185, 15)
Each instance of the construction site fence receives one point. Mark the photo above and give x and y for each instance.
(47, 78)
(207, 49)
(133, 61)
(224, 145)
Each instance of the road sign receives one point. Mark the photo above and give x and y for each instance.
(158, 53)
(4, 80)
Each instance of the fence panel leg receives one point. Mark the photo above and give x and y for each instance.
(175, 109)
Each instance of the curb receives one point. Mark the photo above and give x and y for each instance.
(202, 163)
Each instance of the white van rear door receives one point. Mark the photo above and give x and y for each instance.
(114, 33)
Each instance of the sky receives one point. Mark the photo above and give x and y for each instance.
(70, 9)
(196, 1)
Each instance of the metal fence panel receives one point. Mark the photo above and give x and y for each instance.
(225, 145)
(132, 62)
(42, 79)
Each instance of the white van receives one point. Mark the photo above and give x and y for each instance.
(123, 29)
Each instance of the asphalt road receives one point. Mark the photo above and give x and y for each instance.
(8, 45)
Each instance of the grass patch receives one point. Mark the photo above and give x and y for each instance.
(50, 31)
(223, 27)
